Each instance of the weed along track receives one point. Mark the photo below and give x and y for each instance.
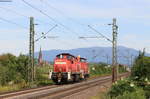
(15, 93)
(57, 91)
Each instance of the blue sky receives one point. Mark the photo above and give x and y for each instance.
(133, 19)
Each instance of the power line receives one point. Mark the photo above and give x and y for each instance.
(100, 34)
(5, 0)
(46, 33)
(60, 12)
(10, 10)
(11, 22)
(39, 10)
(63, 14)
(89, 37)
(81, 37)
(20, 14)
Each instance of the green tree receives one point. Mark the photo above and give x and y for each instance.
(4, 78)
(13, 69)
(8, 65)
(141, 68)
(22, 67)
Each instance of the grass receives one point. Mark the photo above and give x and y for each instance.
(99, 96)
(102, 95)
(14, 87)
(42, 80)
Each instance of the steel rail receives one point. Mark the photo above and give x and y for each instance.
(14, 93)
(56, 90)
(76, 89)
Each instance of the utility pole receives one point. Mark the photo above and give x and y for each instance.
(31, 68)
(114, 47)
(132, 57)
(30, 52)
(107, 58)
(32, 41)
(114, 51)
(33, 65)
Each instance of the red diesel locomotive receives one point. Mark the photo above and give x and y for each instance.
(69, 68)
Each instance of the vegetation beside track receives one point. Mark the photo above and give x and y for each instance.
(101, 69)
(137, 86)
(42, 76)
(13, 73)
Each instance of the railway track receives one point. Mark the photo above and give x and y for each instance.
(57, 91)
(14, 93)
(75, 89)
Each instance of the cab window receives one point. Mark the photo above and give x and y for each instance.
(60, 56)
(69, 57)
(82, 60)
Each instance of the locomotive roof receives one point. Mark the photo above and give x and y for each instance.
(83, 58)
(70, 55)
(65, 54)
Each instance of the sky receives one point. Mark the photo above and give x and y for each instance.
(72, 18)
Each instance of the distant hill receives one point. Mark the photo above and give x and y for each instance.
(94, 54)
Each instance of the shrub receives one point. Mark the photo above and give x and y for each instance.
(99, 69)
(42, 76)
(138, 94)
(120, 87)
(4, 78)
(141, 68)
(147, 91)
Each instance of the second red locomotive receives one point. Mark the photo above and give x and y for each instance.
(69, 68)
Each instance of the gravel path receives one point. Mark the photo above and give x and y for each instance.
(89, 93)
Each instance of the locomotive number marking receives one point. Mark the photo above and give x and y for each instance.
(60, 63)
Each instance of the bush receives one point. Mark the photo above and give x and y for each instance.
(99, 69)
(13, 69)
(138, 86)
(141, 68)
(42, 76)
(4, 78)
(120, 87)
(141, 73)
(147, 91)
(121, 68)
(138, 94)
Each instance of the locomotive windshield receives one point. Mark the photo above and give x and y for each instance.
(82, 60)
(60, 56)
(69, 57)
